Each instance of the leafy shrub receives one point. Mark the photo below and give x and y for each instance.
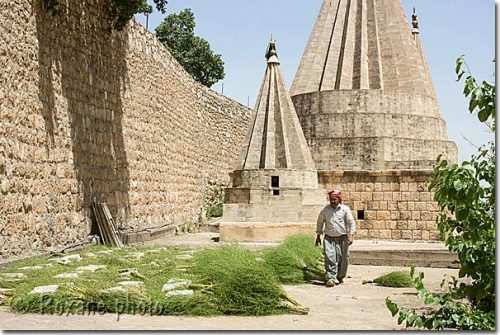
(466, 195)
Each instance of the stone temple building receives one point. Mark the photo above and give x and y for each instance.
(274, 189)
(367, 107)
(91, 114)
(365, 99)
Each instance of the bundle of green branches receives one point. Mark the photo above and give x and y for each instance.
(241, 284)
(394, 279)
(296, 260)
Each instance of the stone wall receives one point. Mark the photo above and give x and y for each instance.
(395, 204)
(373, 130)
(85, 113)
(180, 136)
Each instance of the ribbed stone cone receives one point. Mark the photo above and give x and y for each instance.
(275, 139)
(362, 44)
(364, 93)
(274, 189)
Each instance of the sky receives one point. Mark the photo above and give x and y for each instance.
(239, 30)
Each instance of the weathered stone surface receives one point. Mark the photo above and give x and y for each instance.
(128, 272)
(13, 275)
(116, 289)
(263, 231)
(31, 268)
(136, 255)
(6, 291)
(131, 283)
(90, 268)
(174, 283)
(184, 256)
(69, 259)
(105, 252)
(66, 275)
(44, 289)
(94, 120)
(403, 221)
(179, 293)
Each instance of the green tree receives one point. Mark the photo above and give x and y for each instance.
(176, 32)
(466, 194)
(121, 12)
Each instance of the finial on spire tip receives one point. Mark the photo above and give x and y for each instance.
(271, 53)
(416, 26)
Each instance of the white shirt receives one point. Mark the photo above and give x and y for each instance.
(336, 222)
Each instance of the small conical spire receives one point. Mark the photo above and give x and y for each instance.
(271, 53)
(275, 139)
(416, 27)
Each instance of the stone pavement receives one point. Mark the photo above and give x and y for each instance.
(207, 239)
(350, 306)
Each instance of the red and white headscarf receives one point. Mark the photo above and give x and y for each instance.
(336, 194)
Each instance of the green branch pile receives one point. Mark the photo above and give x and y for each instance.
(393, 279)
(228, 280)
(241, 284)
(295, 261)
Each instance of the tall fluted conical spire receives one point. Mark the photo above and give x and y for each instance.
(362, 44)
(275, 139)
(364, 93)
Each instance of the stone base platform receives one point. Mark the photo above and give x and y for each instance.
(402, 253)
(262, 231)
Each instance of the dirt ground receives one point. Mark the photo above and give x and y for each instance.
(350, 306)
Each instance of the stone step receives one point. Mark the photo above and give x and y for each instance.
(418, 258)
(211, 227)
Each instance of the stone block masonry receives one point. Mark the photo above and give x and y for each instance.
(373, 130)
(366, 103)
(86, 114)
(388, 205)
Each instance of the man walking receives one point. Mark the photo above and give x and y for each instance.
(337, 223)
